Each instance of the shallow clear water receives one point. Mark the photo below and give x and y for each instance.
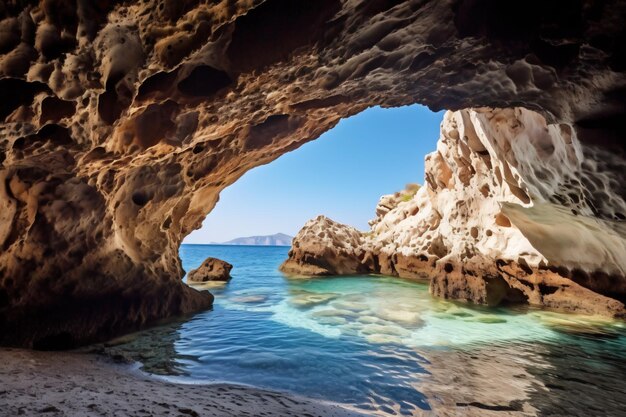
(385, 346)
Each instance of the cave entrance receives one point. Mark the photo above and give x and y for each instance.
(341, 175)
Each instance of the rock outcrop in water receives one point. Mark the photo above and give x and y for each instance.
(512, 211)
(212, 269)
(325, 247)
(120, 123)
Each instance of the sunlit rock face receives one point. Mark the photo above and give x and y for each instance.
(122, 122)
(513, 210)
(516, 210)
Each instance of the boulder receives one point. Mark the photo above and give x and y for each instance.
(325, 247)
(212, 269)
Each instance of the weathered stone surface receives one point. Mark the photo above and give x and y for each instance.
(325, 247)
(492, 283)
(509, 214)
(120, 122)
(212, 269)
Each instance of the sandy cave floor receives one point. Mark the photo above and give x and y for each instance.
(78, 384)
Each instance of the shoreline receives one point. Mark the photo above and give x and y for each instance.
(72, 383)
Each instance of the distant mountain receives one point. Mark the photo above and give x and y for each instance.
(279, 239)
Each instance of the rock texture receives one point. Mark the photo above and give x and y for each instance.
(325, 247)
(212, 269)
(120, 122)
(513, 210)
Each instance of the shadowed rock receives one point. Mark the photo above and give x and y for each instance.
(212, 269)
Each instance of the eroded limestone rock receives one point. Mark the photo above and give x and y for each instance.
(120, 122)
(212, 269)
(325, 247)
(509, 213)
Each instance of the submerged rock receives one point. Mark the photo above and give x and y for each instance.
(331, 321)
(369, 320)
(250, 299)
(383, 329)
(381, 339)
(335, 312)
(350, 305)
(590, 327)
(212, 269)
(311, 299)
(489, 319)
(403, 317)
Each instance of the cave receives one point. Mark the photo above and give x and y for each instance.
(115, 147)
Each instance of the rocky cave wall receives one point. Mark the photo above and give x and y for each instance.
(121, 121)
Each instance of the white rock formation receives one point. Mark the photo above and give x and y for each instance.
(491, 187)
(512, 211)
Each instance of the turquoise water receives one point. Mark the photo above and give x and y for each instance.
(384, 346)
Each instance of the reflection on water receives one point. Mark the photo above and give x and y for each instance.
(385, 346)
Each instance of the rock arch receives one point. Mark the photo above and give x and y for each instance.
(112, 148)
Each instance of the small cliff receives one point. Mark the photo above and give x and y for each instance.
(512, 211)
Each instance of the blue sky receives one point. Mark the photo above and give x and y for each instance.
(342, 174)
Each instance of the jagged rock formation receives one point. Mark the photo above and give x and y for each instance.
(512, 211)
(120, 122)
(212, 269)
